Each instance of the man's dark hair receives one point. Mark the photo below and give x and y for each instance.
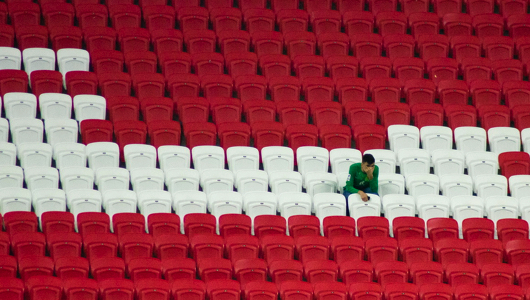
(368, 158)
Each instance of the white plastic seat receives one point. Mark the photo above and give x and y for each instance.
(525, 138)
(448, 162)
(277, 158)
(225, 202)
(152, 202)
(189, 202)
(294, 203)
(501, 207)
(312, 159)
(504, 139)
(414, 161)
(464, 207)
(384, 159)
(251, 181)
(15, 199)
(317, 182)
(112, 179)
(329, 204)
(11, 177)
(8, 154)
(398, 206)
(10, 58)
(103, 154)
(470, 139)
(35, 155)
(48, 200)
(490, 185)
(390, 183)
(70, 59)
(146, 179)
(20, 105)
(259, 203)
(482, 162)
(436, 137)
(403, 137)
(182, 180)
(26, 131)
(423, 184)
(80, 201)
(524, 208)
(139, 156)
(433, 206)
(242, 158)
(456, 185)
(61, 131)
(342, 158)
(38, 59)
(119, 201)
(69, 155)
(89, 107)
(174, 157)
(4, 130)
(55, 106)
(38, 178)
(285, 182)
(519, 185)
(77, 178)
(208, 158)
(217, 180)
(358, 208)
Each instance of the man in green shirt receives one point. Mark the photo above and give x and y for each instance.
(363, 178)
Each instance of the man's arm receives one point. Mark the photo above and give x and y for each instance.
(349, 183)
(374, 183)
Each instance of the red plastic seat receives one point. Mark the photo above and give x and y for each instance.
(453, 92)
(321, 270)
(422, 23)
(284, 88)
(415, 250)
(399, 45)
(258, 19)
(292, 20)
(234, 224)
(358, 22)
(135, 246)
(278, 5)
(100, 39)
(449, 251)
(325, 21)
(170, 246)
(376, 6)
(408, 227)
(107, 61)
(115, 84)
(250, 271)
(200, 134)
(92, 222)
(457, 24)
(5, 244)
(267, 134)
(193, 18)
(269, 225)
(66, 37)
(465, 46)
(507, 70)
(7, 35)
(404, 291)
(436, 291)
(433, 46)
(460, 115)
(140, 62)
(426, 272)
(159, 17)
(233, 41)
(134, 39)
(516, 93)
(92, 15)
(388, 272)
(277, 247)
(366, 45)
(476, 291)
(394, 113)
(174, 62)
(345, 248)
(376, 67)
(241, 246)
(259, 110)
(408, 68)
(31, 36)
(166, 40)
(183, 85)
(28, 244)
(188, 289)
(385, 90)
(81, 83)
(44, 81)
(144, 268)
(8, 267)
(494, 274)
(299, 135)
(164, 132)
(80, 288)
(148, 85)
(522, 274)
(333, 44)
(485, 92)
(291, 290)
(391, 22)
(303, 225)
(225, 109)
(100, 245)
(292, 112)
(427, 115)
(365, 290)
(13, 81)
(152, 289)
(372, 227)
(275, 65)
(517, 252)
(20, 222)
(518, 25)
(311, 248)
(498, 47)
(156, 108)
(233, 134)
(514, 163)
(241, 64)
(335, 136)
(506, 291)
(440, 228)
(116, 289)
(476, 68)
(44, 288)
(494, 116)
(12, 288)
(130, 132)
(206, 246)
(225, 18)
(178, 269)
(370, 136)
(35, 265)
(107, 268)
(354, 271)
(326, 112)
(512, 229)
(224, 289)
(217, 85)
(520, 115)
(285, 270)
(352, 90)
(381, 249)
(342, 66)
(24, 13)
(64, 244)
(306, 66)
(522, 46)
(461, 273)
(267, 42)
(125, 16)
(57, 14)
(96, 131)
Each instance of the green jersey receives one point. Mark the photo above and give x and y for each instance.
(358, 180)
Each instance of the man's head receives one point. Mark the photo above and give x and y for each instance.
(368, 162)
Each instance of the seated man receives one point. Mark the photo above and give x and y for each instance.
(363, 178)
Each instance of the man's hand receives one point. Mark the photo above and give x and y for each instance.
(370, 173)
(363, 195)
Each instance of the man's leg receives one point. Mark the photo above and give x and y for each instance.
(368, 190)
(347, 194)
